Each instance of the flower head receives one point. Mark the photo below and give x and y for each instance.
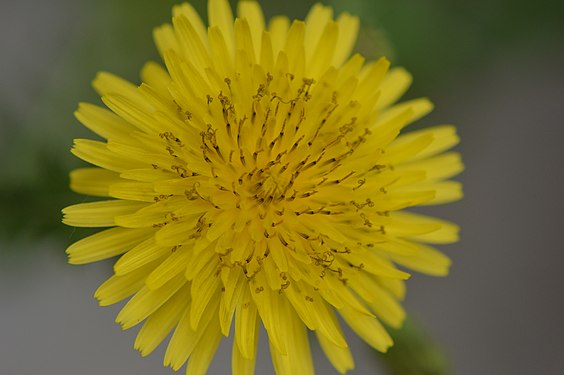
(260, 178)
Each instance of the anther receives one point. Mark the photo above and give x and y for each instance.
(360, 182)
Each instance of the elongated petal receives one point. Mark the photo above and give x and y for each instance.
(119, 287)
(348, 32)
(368, 328)
(221, 16)
(246, 326)
(241, 365)
(98, 214)
(341, 358)
(203, 353)
(93, 181)
(105, 244)
(146, 302)
(157, 327)
(103, 122)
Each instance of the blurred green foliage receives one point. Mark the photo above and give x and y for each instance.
(33, 208)
(415, 352)
(443, 40)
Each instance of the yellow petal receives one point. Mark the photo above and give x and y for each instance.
(298, 359)
(381, 301)
(376, 265)
(145, 252)
(444, 192)
(221, 16)
(401, 226)
(156, 76)
(348, 32)
(418, 108)
(98, 214)
(184, 340)
(316, 21)
(130, 111)
(345, 297)
(158, 326)
(160, 101)
(233, 286)
(93, 181)
(272, 307)
(341, 358)
(200, 261)
(175, 233)
(444, 138)
(241, 365)
(278, 27)
(266, 53)
(204, 292)
(394, 286)
(295, 49)
(394, 86)
(368, 328)
(141, 155)
(428, 260)
(436, 168)
(371, 77)
(135, 191)
(399, 153)
(192, 44)
(252, 12)
(222, 59)
(103, 122)
(147, 301)
(119, 287)
(144, 218)
(315, 312)
(107, 83)
(165, 39)
(203, 353)
(173, 265)
(188, 11)
(148, 174)
(445, 232)
(244, 40)
(246, 326)
(97, 153)
(106, 244)
(324, 51)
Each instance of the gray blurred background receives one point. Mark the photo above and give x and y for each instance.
(493, 68)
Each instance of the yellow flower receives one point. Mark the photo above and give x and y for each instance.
(260, 178)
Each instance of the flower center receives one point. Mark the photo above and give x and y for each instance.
(268, 185)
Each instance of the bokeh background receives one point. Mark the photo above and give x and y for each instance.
(494, 68)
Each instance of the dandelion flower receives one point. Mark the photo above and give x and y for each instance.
(260, 177)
